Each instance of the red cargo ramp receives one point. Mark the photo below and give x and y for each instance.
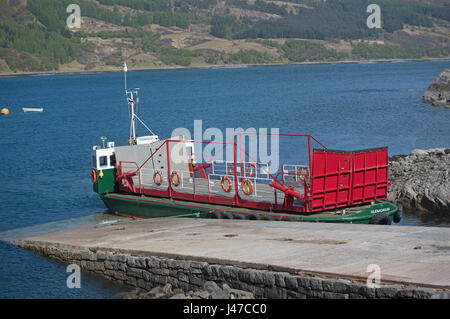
(341, 178)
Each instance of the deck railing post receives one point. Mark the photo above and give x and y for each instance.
(168, 168)
(236, 183)
(242, 157)
(309, 151)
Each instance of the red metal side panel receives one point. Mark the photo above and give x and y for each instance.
(370, 176)
(341, 179)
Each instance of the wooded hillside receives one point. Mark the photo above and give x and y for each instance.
(164, 33)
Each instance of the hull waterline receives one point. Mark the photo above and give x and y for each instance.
(153, 207)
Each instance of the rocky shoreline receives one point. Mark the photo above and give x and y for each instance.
(438, 93)
(421, 180)
(210, 290)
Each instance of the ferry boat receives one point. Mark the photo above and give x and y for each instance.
(153, 178)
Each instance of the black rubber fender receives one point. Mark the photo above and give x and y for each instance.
(215, 215)
(399, 213)
(227, 216)
(238, 216)
(254, 217)
(381, 219)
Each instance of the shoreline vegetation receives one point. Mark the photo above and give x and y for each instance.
(35, 37)
(218, 66)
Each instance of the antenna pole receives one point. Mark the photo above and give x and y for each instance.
(131, 105)
(132, 99)
(125, 70)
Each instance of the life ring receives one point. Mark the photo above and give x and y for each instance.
(230, 184)
(158, 181)
(247, 186)
(230, 166)
(249, 165)
(94, 176)
(172, 178)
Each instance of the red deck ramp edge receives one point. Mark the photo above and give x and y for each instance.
(341, 178)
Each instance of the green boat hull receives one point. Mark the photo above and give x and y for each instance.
(154, 207)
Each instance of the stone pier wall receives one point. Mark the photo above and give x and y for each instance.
(146, 272)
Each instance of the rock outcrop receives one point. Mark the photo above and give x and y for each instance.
(421, 180)
(438, 93)
(210, 290)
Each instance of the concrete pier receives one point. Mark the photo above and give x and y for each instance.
(271, 259)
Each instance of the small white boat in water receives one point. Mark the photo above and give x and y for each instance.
(32, 110)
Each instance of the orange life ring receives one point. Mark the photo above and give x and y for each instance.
(230, 184)
(94, 176)
(247, 186)
(230, 166)
(172, 178)
(253, 174)
(158, 181)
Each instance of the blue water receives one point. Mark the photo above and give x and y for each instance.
(45, 158)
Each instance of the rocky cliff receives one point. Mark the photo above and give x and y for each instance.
(438, 93)
(421, 180)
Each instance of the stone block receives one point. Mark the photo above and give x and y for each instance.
(131, 281)
(423, 293)
(183, 277)
(280, 278)
(196, 280)
(108, 264)
(99, 266)
(120, 258)
(387, 291)
(405, 293)
(355, 296)
(198, 264)
(88, 255)
(291, 282)
(367, 292)
(134, 272)
(101, 255)
(334, 295)
(147, 276)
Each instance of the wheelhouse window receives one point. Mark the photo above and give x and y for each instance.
(112, 160)
(103, 161)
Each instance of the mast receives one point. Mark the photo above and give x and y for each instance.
(132, 96)
(132, 100)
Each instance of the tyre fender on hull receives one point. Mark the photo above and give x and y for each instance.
(399, 213)
(381, 219)
(226, 216)
(215, 215)
(254, 217)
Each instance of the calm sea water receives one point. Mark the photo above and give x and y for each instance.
(45, 175)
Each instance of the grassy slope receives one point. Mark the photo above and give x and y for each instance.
(106, 54)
